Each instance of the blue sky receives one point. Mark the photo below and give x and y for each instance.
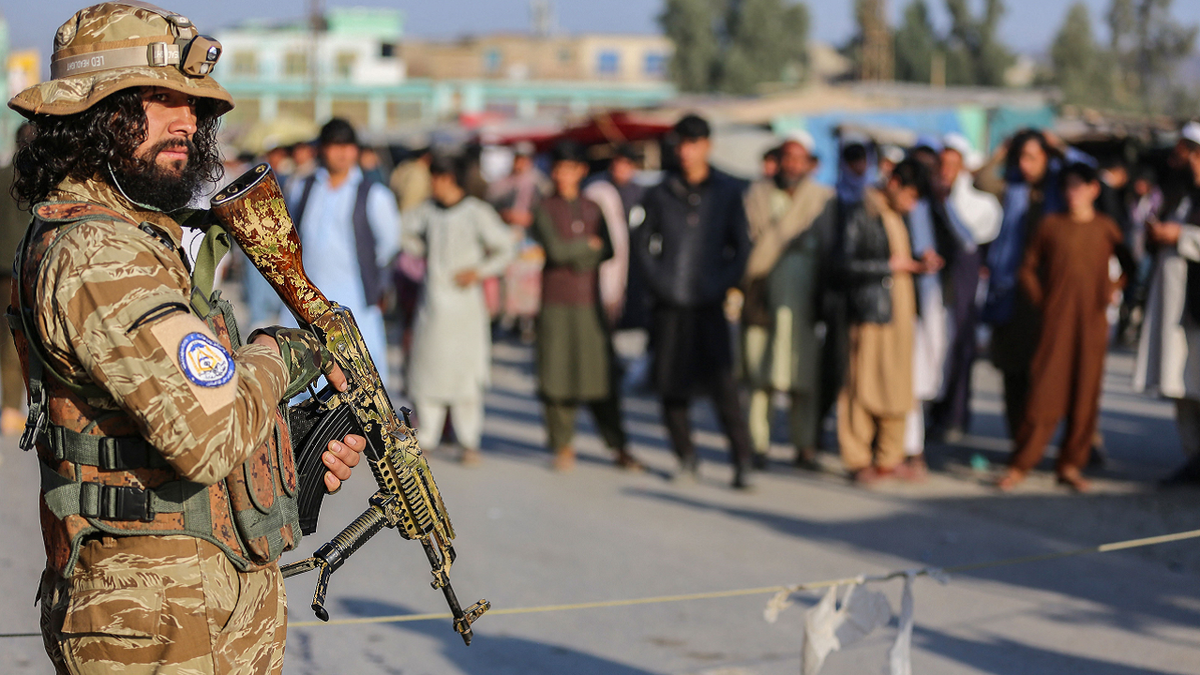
(1029, 24)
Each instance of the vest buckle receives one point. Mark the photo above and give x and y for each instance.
(34, 426)
(125, 502)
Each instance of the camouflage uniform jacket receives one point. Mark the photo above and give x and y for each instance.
(111, 302)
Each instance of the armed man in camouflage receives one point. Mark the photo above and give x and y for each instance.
(168, 482)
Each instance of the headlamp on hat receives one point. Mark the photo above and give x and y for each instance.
(199, 56)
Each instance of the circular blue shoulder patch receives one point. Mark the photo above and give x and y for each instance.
(204, 360)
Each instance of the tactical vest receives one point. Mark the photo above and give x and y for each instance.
(99, 475)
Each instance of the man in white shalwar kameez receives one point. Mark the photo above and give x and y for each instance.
(335, 249)
(463, 242)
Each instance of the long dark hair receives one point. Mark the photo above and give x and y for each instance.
(85, 144)
(1012, 160)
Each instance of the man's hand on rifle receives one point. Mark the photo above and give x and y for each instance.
(339, 457)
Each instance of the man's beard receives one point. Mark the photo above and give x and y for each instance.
(785, 182)
(147, 182)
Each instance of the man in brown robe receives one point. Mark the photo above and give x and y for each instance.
(1065, 275)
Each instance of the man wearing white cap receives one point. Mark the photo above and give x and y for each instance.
(976, 215)
(1169, 349)
(781, 351)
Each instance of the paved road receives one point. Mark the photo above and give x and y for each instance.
(530, 537)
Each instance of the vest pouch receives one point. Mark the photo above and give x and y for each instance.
(288, 478)
(265, 515)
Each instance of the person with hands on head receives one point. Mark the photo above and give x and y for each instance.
(1031, 190)
(167, 476)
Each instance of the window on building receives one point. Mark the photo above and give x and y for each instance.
(295, 64)
(354, 111)
(401, 112)
(608, 62)
(298, 108)
(491, 61)
(344, 66)
(564, 55)
(245, 63)
(655, 64)
(387, 50)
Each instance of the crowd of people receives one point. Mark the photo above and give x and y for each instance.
(867, 301)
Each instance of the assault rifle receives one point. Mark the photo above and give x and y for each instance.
(253, 210)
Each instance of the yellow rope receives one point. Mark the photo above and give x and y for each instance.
(762, 590)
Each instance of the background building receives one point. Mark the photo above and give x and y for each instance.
(624, 59)
(21, 69)
(358, 65)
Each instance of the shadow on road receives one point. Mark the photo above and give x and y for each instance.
(935, 534)
(1005, 657)
(494, 654)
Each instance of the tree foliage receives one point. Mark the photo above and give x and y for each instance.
(971, 47)
(916, 44)
(975, 53)
(1134, 70)
(691, 24)
(735, 45)
(1083, 69)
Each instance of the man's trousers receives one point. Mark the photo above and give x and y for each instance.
(162, 605)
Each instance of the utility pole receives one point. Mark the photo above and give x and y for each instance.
(541, 17)
(877, 57)
(316, 24)
(937, 69)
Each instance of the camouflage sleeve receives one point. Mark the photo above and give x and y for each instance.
(114, 309)
(305, 357)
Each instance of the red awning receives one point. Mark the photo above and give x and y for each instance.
(615, 127)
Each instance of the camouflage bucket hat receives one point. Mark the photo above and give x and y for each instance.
(116, 45)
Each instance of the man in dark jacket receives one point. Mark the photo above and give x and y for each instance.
(693, 248)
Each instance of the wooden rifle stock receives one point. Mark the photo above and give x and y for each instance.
(252, 208)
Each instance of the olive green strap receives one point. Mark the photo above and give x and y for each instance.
(213, 248)
(111, 453)
(66, 497)
(255, 523)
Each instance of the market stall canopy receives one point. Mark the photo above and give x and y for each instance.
(279, 132)
(611, 127)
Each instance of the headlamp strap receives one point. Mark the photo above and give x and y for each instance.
(154, 54)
